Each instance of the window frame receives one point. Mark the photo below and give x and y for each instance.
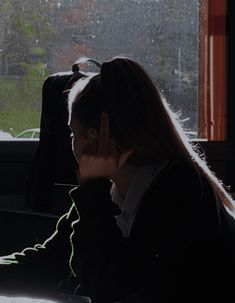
(213, 41)
(231, 91)
(220, 154)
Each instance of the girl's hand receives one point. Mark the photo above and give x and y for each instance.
(101, 158)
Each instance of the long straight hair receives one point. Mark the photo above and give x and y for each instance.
(140, 118)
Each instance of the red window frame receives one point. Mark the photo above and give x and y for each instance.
(213, 70)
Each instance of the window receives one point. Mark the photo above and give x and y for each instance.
(186, 45)
(39, 38)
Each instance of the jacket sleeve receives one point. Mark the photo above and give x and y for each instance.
(42, 267)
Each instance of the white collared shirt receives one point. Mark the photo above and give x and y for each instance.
(130, 204)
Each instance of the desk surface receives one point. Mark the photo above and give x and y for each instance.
(61, 299)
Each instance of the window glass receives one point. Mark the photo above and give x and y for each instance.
(41, 37)
(25, 134)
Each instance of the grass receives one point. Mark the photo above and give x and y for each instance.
(17, 120)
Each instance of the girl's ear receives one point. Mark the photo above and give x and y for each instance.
(92, 134)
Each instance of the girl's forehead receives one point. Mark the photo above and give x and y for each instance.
(74, 124)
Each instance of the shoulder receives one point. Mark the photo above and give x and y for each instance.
(179, 176)
(182, 192)
(173, 206)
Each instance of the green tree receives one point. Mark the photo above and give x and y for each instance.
(27, 33)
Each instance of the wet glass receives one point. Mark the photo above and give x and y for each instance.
(41, 37)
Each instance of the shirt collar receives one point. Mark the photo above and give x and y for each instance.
(139, 184)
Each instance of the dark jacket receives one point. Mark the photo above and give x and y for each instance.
(180, 249)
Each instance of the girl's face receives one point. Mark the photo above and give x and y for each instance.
(79, 138)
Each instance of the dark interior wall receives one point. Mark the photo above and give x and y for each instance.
(20, 226)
